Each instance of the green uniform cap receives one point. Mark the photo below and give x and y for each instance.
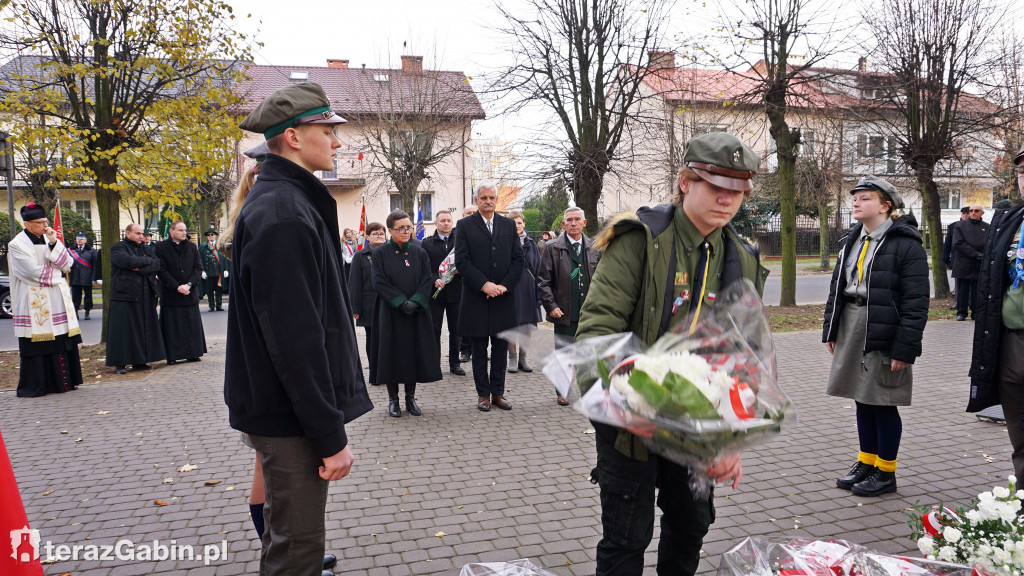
(258, 152)
(288, 107)
(211, 231)
(723, 160)
(869, 182)
(1019, 157)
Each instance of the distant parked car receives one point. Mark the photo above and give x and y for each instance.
(5, 297)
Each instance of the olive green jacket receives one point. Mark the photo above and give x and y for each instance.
(628, 291)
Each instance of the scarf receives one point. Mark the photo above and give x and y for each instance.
(522, 238)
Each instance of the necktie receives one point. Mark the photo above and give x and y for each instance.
(489, 230)
(860, 259)
(576, 248)
(699, 284)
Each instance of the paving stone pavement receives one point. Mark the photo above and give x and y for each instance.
(498, 485)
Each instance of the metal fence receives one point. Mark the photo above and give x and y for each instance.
(769, 236)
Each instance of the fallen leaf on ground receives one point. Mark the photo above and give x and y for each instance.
(102, 412)
(64, 574)
(440, 534)
(588, 431)
(188, 468)
(79, 439)
(63, 431)
(212, 482)
(229, 488)
(48, 492)
(160, 503)
(168, 480)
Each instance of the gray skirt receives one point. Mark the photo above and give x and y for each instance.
(866, 378)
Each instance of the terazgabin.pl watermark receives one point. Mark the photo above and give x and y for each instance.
(27, 547)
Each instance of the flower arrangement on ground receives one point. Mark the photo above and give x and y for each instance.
(989, 535)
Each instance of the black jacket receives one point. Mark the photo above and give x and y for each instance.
(292, 366)
(898, 291)
(988, 324)
(80, 274)
(483, 257)
(179, 264)
(437, 251)
(132, 269)
(969, 239)
(360, 286)
(947, 244)
(553, 277)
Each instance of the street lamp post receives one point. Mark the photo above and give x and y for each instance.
(8, 168)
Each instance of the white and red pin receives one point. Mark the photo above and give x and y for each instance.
(931, 520)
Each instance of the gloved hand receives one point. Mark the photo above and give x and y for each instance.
(408, 307)
(204, 275)
(100, 282)
(225, 273)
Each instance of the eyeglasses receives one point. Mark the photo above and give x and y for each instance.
(978, 211)
(403, 229)
(377, 234)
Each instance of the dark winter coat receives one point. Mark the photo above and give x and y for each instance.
(898, 291)
(134, 335)
(406, 350)
(969, 239)
(527, 303)
(360, 286)
(179, 265)
(553, 279)
(947, 244)
(483, 257)
(81, 274)
(988, 324)
(437, 251)
(292, 365)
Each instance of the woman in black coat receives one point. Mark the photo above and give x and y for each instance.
(360, 288)
(874, 320)
(180, 272)
(406, 351)
(525, 292)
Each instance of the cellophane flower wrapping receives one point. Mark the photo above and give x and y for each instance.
(446, 270)
(522, 567)
(762, 556)
(697, 394)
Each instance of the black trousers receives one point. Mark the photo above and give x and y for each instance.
(77, 292)
(492, 384)
(627, 512)
(966, 295)
(437, 313)
(1011, 392)
(214, 294)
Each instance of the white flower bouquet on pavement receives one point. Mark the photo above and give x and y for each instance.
(695, 395)
(988, 536)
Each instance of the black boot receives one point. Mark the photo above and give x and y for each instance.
(412, 406)
(877, 484)
(522, 361)
(394, 409)
(858, 473)
(87, 315)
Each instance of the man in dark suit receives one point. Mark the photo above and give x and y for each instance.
(947, 244)
(968, 246)
(489, 258)
(447, 301)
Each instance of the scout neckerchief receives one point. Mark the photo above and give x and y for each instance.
(1017, 268)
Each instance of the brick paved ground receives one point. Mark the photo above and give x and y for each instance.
(499, 485)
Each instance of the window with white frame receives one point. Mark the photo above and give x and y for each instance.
(699, 129)
(424, 201)
(808, 140)
(83, 207)
(950, 198)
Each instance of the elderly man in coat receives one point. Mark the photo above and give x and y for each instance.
(489, 257)
(133, 332)
(47, 331)
(968, 243)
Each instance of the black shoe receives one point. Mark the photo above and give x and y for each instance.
(172, 362)
(330, 560)
(121, 370)
(953, 307)
(219, 309)
(458, 371)
(960, 317)
(327, 573)
(394, 409)
(195, 359)
(464, 357)
(141, 367)
(87, 315)
(877, 484)
(858, 473)
(411, 406)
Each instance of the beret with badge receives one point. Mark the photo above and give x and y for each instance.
(289, 107)
(888, 191)
(723, 160)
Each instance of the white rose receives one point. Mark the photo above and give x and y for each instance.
(974, 517)
(947, 554)
(951, 535)
(926, 545)
(1012, 479)
(1001, 492)
(1020, 494)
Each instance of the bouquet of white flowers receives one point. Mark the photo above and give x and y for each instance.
(693, 396)
(988, 536)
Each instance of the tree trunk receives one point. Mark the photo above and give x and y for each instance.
(587, 190)
(108, 203)
(787, 202)
(933, 224)
(824, 258)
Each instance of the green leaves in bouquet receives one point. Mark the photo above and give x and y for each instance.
(677, 397)
(690, 397)
(606, 376)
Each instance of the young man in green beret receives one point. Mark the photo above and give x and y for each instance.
(292, 376)
(661, 268)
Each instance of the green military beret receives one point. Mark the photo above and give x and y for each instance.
(288, 107)
(723, 160)
(869, 182)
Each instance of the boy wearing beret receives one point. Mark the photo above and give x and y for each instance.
(661, 268)
(292, 375)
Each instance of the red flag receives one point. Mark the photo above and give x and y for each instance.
(15, 533)
(56, 222)
(360, 156)
(362, 226)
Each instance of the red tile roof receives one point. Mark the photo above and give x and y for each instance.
(355, 91)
